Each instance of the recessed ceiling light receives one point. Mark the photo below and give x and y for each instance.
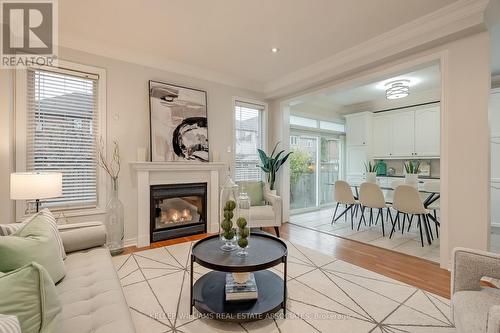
(275, 50)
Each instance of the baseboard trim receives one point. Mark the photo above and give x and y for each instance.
(130, 242)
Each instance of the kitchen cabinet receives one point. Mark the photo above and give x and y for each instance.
(382, 131)
(403, 133)
(356, 159)
(427, 132)
(407, 134)
(358, 129)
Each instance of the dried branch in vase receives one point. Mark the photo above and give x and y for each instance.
(113, 166)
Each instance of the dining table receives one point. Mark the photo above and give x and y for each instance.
(432, 195)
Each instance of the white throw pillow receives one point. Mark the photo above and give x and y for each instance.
(50, 219)
(9, 324)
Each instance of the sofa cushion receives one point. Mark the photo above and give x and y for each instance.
(92, 296)
(470, 308)
(255, 191)
(29, 294)
(37, 242)
(261, 213)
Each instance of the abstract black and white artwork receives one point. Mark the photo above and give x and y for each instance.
(179, 128)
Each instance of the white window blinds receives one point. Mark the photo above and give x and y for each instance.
(249, 137)
(62, 125)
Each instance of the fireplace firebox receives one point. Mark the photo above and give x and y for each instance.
(178, 210)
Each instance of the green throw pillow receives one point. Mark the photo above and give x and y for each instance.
(255, 191)
(30, 294)
(34, 242)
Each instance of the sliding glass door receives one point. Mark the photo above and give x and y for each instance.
(314, 166)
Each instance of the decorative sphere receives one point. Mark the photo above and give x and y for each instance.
(242, 242)
(231, 204)
(241, 222)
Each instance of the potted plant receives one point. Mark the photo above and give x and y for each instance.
(371, 171)
(271, 164)
(412, 168)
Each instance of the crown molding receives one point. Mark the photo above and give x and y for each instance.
(445, 22)
(449, 20)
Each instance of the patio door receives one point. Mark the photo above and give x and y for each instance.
(314, 166)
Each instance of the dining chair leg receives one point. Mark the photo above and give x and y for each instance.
(344, 212)
(378, 216)
(396, 220)
(420, 228)
(411, 220)
(362, 218)
(436, 223)
(345, 216)
(381, 213)
(428, 225)
(427, 235)
(389, 214)
(404, 220)
(371, 218)
(335, 213)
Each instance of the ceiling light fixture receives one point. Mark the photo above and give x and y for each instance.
(397, 89)
(275, 50)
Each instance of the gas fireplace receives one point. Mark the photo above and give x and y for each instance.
(178, 210)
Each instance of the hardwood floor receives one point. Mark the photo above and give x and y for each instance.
(418, 272)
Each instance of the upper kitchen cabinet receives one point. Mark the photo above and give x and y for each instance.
(427, 132)
(403, 132)
(407, 133)
(382, 138)
(358, 128)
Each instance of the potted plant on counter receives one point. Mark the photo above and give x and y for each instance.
(412, 168)
(371, 171)
(271, 164)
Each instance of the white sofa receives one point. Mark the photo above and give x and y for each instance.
(90, 293)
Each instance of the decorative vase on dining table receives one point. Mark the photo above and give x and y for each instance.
(371, 177)
(411, 179)
(114, 221)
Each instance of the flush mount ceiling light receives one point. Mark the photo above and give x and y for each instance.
(397, 89)
(275, 50)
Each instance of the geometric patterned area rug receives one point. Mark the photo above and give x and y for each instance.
(324, 295)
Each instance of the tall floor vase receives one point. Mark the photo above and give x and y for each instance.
(114, 221)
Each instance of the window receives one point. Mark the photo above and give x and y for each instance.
(304, 122)
(61, 126)
(330, 126)
(249, 137)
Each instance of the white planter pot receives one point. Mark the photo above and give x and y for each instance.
(267, 189)
(411, 179)
(371, 177)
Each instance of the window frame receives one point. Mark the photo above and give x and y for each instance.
(21, 133)
(264, 122)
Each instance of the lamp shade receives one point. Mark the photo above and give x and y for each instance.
(35, 185)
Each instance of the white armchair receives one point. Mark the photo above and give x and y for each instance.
(268, 214)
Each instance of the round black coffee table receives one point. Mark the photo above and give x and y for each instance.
(208, 293)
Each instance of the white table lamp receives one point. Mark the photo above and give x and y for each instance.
(35, 186)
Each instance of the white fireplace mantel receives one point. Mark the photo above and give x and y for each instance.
(160, 173)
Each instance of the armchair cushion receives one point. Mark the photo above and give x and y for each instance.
(471, 309)
(255, 190)
(262, 213)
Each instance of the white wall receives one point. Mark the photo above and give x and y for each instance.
(465, 159)
(6, 143)
(127, 121)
